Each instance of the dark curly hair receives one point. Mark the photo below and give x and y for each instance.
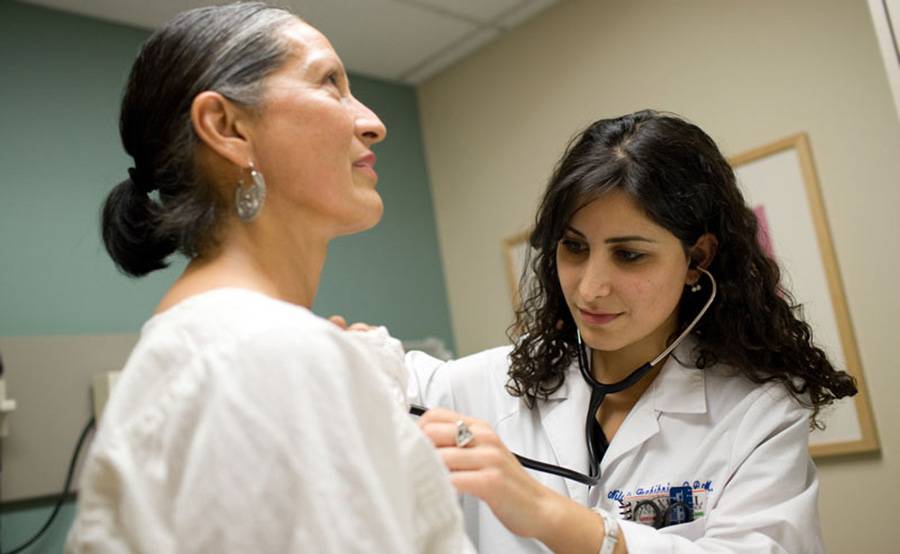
(676, 173)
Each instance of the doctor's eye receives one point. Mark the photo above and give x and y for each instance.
(573, 246)
(628, 256)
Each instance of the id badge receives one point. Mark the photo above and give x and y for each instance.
(681, 506)
(661, 509)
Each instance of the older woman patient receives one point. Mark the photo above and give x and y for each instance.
(242, 421)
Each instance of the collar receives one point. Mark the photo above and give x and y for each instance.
(677, 389)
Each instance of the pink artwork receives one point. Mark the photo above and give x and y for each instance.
(762, 232)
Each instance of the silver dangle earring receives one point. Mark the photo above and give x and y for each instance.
(249, 201)
(696, 287)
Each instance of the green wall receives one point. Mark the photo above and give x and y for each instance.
(60, 154)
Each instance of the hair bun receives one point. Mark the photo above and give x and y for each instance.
(129, 231)
(140, 181)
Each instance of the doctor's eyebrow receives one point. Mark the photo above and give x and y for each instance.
(574, 231)
(613, 240)
(628, 238)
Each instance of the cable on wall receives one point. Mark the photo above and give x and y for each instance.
(65, 493)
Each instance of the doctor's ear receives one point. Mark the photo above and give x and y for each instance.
(701, 254)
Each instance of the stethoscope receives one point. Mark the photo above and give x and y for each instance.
(594, 435)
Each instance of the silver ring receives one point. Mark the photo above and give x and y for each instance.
(464, 435)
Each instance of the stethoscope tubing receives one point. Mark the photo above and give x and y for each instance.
(565, 473)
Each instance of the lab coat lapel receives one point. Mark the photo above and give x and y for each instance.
(639, 426)
(677, 389)
(562, 417)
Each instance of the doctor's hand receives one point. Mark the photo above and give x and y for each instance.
(485, 468)
(342, 323)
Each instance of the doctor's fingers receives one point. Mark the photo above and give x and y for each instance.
(443, 415)
(444, 434)
(485, 471)
(449, 417)
(482, 483)
(444, 427)
(489, 457)
(339, 321)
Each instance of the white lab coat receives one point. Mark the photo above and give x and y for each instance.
(746, 443)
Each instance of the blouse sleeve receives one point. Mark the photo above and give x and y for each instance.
(770, 502)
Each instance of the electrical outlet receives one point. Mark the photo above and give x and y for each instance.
(100, 388)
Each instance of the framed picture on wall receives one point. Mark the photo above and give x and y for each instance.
(779, 182)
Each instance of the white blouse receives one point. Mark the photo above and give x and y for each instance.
(246, 424)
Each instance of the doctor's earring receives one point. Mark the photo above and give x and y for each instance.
(696, 287)
(248, 201)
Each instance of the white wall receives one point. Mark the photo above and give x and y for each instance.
(748, 72)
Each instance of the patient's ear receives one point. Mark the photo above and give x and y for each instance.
(701, 254)
(223, 127)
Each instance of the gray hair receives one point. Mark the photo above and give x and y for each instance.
(228, 49)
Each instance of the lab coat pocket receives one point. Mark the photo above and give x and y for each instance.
(692, 530)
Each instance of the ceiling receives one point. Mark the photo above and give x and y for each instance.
(398, 40)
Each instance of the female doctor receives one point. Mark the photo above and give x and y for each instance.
(655, 353)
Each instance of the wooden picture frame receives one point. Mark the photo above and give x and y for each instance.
(779, 181)
(781, 177)
(515, 250)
